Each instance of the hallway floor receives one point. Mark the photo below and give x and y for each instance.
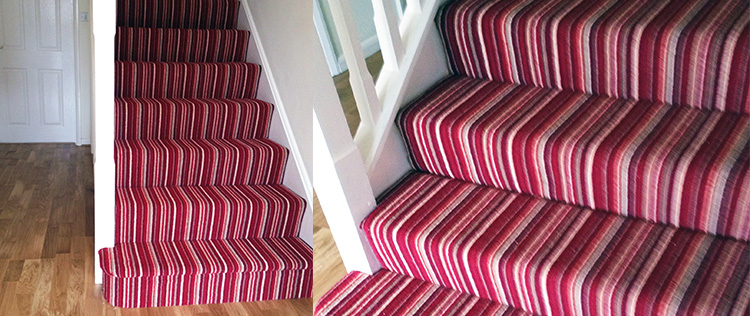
(46, 240)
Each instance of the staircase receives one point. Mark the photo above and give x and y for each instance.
(202, 216)
(584, 158)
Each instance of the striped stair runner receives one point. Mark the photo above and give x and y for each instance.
(584, 158)
(392, 294)
(553, 258)
(201, 214)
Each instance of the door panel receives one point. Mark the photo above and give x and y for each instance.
(13, 25)
(37, 71)
(48, 25)
(16, 93)
(52, 95)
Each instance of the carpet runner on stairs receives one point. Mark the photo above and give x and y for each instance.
(681, 52)
(584, 158)
(202, 216)
(553, 258)
(181, 80)
(392, 294)
(670, 164)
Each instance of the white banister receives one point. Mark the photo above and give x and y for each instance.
(363, 86)
(389, 35)
(415, 6)
(342, 188)
(345, 168)
(103, 14)
(390, 87)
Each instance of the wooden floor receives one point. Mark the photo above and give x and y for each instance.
(329, 268)
(47, 240)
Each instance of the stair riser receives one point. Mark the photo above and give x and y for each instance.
(201, 213)
(186, 80)
(188, 14)
(551, 258)
(180, 45)
(191, 119)
(673, 165)
(153, 164)
(666, 51)
(390, 294)
(207, 289)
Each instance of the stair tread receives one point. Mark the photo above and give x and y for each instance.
(390, 294)
(207, 212)
(670, 164)
(553, 258)
(686, 52)
(186, 80)
(151, 118)
(180, 45)
(186, 162)
(202, 14)
(165, 258)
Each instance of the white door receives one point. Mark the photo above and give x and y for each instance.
(37, 71)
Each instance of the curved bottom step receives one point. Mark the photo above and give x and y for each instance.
(206, 272)
(173, 290)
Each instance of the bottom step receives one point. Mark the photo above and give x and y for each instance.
(206, 272)
(389, 293)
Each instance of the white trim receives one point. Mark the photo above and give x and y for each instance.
(76, 64)
(370, 46)
(81, 119)
(102, 19)
(293, 144)
(325, 39)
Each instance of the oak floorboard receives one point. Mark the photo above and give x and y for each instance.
(47, 240)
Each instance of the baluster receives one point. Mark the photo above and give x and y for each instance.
(363, 86)
(389, 36)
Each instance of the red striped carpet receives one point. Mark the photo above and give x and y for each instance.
(584, 158)
(392, 294)
(670, 164)
(184, 80)
(685, 52)
(202, 216)
(553, 258)
(172, 45)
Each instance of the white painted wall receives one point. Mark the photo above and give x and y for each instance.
(283, 35)
(83, 57)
